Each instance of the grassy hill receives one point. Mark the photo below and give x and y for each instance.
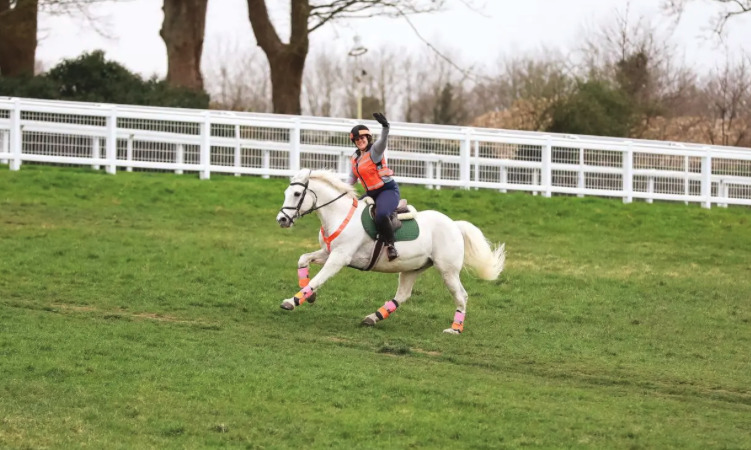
(141, 310)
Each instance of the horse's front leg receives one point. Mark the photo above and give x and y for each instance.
(333, 264)
(303, 271)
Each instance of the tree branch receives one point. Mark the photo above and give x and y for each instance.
(322, 13)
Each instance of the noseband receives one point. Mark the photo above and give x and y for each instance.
(296, 209)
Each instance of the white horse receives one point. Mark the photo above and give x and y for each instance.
(442, 242)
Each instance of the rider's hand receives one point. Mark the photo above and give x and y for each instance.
(381, 119)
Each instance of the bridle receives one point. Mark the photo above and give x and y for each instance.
(315, 207)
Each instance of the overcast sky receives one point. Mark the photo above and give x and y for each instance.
(502, 29)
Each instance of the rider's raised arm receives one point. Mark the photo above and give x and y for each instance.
(379, 146)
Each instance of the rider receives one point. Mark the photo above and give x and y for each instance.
(369, 166)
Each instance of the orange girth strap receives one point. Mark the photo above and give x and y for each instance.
(329, 239)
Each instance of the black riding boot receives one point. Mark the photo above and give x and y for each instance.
(386, 235)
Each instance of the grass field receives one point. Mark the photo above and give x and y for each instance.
(142, 311)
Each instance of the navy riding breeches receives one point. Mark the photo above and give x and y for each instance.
(386, 200)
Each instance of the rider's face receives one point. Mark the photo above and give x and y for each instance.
(361, 142)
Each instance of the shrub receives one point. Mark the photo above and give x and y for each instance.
(594, 108)
(92, 78)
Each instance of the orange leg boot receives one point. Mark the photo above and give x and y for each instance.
(382, 313)
(458, 325)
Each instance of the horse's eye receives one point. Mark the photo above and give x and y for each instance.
(297, 194)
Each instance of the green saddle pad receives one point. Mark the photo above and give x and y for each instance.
(408, 231)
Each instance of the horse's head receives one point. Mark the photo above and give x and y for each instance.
(296, 199)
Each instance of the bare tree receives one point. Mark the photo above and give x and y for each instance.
(434, 91)
(237, 78)
(728, 92)
(18, 28)
(728, 9)
(287, 60)
(519, 95)
(642, 62)
(183, 32)
(323, 85)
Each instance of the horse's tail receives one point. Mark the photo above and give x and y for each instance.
(484, 257)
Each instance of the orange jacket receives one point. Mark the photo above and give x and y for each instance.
(368, 172)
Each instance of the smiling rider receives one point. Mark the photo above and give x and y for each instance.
(369, 166)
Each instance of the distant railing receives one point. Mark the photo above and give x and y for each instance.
(118, 137)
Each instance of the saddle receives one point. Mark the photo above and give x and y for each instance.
(402, 220)
(407, 231)
(403, 212)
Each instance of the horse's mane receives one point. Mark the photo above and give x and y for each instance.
(333, 179)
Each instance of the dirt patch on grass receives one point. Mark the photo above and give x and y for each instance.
(127, 314)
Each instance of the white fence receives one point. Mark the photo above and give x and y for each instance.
(131, 137)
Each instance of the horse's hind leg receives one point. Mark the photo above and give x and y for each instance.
(454, 285)
(406, 282)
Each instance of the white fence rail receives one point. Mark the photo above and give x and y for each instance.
(120, 137)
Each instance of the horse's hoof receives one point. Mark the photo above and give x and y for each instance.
(369, 321)
(452, 331)
(289, 306)
(312, 298)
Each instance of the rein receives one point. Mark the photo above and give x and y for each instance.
(315, 207)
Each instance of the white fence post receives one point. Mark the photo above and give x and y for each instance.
(96, 151)
(580, 176)
(15, 136)
(205, 172)
(706, 179)
(129, 153)
(238, 150)
(464, 164)
(179, 157)
(723, 191)
(628, 173)
(546, 174)
(477, 162)
(438, 174)
(429, 169)
(4, 145)
(110, 148)
(342, 163)
(294, 143)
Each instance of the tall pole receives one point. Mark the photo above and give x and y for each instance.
(356, 52)
(359, 90)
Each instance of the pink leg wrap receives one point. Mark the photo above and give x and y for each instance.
(303, 295)
(303, 277)
(385, 311)
(458, 324)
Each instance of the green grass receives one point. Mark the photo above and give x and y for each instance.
(142, 311)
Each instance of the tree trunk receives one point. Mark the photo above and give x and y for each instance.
(18, 44)
(183, 32)
(287, 61)
(286, 81)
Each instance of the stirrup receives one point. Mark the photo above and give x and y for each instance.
(391, 252)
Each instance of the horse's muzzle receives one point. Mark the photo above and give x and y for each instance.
(283, 221)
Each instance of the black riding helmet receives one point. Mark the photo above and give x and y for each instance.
(360, 130)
